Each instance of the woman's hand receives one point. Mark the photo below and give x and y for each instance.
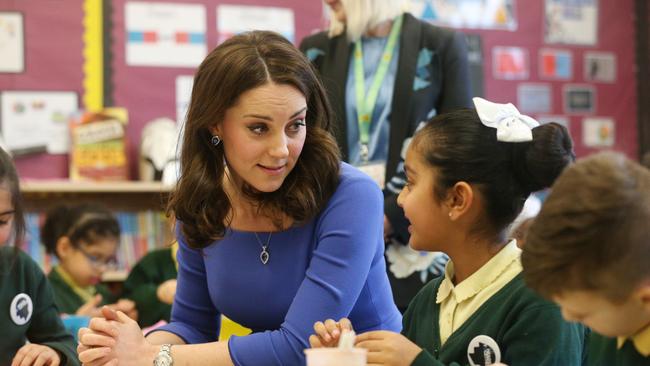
(37, 355)
(328, 333)
(114, 339)
(388, 348)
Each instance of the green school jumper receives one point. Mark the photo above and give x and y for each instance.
(27, 310)
(602, 351)
(69, 301)
(515, 324)
(153, 269)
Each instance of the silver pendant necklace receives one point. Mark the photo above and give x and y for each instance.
(264, 255)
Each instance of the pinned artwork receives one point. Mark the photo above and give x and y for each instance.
(598, 132)
(579, 99)
(572, 22)
(555, 64)
(510, 63)
(600, 67)
(494, 14)
(534, 98)
(12, 42)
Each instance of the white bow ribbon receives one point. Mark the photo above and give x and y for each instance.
(511, 125)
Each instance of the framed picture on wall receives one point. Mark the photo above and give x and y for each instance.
(579, 99)
(12, 42)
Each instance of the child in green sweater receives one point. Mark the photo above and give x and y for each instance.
(84, 239)
(468, 175)
(589, 251)
(32, 333)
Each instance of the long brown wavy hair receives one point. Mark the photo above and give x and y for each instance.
(242, 63)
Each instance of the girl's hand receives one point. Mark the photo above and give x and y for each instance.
(166, 291)
(328, 333)
(37, 355)
(388, 348)
(114, 339)
(91, 308)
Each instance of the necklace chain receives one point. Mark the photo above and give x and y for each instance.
(264, 255)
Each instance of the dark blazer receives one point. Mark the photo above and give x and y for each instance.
(432, 78)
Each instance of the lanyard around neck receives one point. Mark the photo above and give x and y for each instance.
(366, 101)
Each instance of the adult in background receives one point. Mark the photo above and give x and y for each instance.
(386, 72)
(274, 231)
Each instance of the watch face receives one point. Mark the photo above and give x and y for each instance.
(163, 359)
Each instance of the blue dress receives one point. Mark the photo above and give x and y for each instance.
(330, 267)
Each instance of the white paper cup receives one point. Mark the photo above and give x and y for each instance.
(336, 357)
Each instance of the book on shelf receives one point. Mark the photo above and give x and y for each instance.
(141, 232)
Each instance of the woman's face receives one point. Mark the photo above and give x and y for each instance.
(263, 135)
(337, 9)
(6, 215)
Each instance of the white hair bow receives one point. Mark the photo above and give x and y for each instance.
(511, 125)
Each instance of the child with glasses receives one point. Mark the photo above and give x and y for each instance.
(84, 239)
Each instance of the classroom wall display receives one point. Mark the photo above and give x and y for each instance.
(162, 34)
(579, 99)
(555, 64)
(183, 95)
(600, 67)
(234, 19)
(12, 42)
(471, 14)
(35, 121)
(571, 22)
(534, 98)
(599, 132)
(510, 63)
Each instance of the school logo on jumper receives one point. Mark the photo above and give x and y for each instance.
(21, 309)
(483, 351)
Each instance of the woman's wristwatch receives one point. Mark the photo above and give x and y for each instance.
(164, 356)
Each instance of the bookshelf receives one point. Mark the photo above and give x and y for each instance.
(138, 206)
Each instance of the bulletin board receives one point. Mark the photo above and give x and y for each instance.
(54, 62)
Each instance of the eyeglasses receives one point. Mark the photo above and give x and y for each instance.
(97, 262)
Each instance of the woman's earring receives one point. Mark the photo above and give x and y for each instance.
(450, 216)
(216, 140)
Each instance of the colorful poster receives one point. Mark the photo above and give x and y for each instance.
(12, 42)
(534, 98)
(571, 22)
(234, 19)
(510, 63)
(33, 121)
(485, 14)
(165, 34)
(579, 99)
(555, 64)
(598, 132)
(600, 67)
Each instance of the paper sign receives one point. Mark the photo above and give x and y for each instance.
(555, 64)
(534, 98)
(579, 99)
(571, 21)
(12, 42)
(235, 19)
(165, 34)
(600, 67)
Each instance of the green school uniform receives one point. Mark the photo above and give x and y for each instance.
(514, 326)
(27, 310)
(152, 270)
(603, 351)
(67, 299)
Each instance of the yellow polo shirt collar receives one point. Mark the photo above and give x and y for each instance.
(641, 341)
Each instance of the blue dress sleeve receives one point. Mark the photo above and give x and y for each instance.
(194, 317)
(349, 238)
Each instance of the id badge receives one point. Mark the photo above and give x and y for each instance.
(376, 171)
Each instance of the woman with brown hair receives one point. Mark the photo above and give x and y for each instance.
(274, 231)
